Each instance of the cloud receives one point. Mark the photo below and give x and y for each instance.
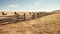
(13, 6)
(36, 3)
(31, 6)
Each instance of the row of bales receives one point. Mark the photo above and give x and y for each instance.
(13, 17)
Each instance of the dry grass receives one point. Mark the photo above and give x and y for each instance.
(45, 25)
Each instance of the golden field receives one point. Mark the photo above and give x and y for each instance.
(49, 24)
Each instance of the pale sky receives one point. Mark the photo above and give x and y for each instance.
(30, 5)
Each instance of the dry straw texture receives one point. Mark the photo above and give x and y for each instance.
(46, 25)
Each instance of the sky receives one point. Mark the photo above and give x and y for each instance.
(29, 5)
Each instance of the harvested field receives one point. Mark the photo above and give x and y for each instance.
(46, 25)
(11, 17)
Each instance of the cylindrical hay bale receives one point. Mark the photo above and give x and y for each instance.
(2, 13)
(15, 13)
(29, 12)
